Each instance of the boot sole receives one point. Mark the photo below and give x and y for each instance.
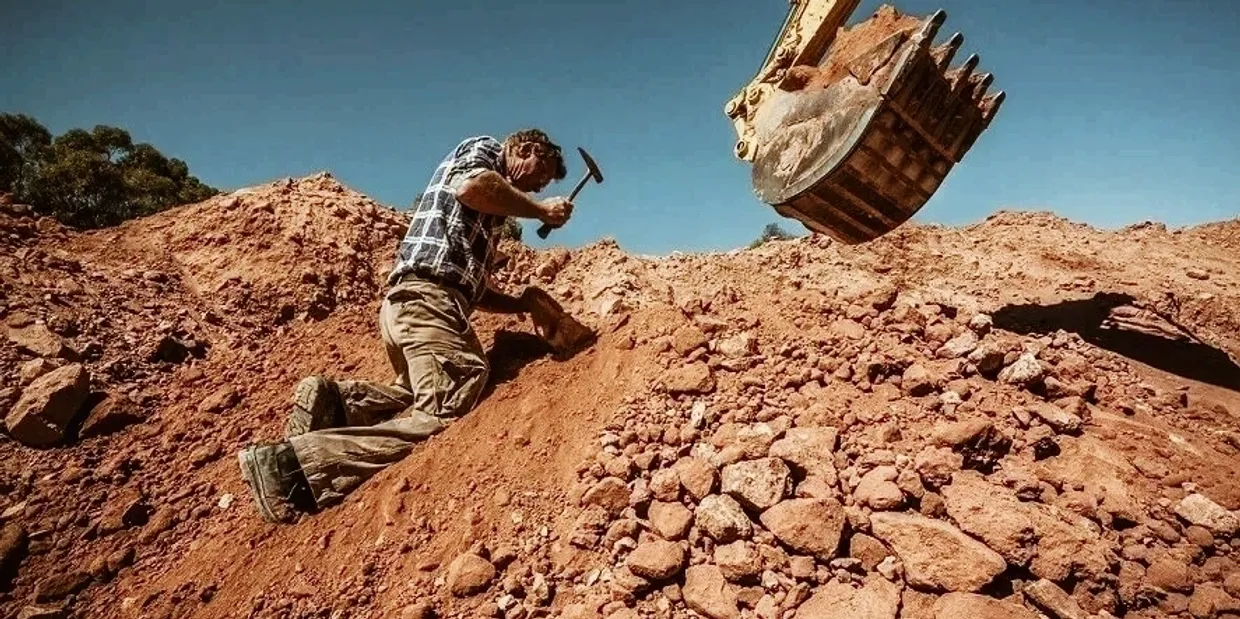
(302, 419)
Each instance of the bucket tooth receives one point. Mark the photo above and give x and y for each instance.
(930, 28)
(959, 77)
(990, 105)
(944, 53)
(978, 83)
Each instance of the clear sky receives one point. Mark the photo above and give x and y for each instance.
(1118, 111)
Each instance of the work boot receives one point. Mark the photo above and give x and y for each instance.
(316, 405)
(274, 476)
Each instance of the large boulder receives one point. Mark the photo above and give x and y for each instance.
(47, 407)
(1201, 511)
(877, 599)
(973, 606)
(936, 555)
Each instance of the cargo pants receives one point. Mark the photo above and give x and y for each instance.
(440, 372)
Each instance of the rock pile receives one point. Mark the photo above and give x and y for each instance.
(912, 462)
(1012, 419)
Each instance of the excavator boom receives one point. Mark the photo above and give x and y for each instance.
(850, 131)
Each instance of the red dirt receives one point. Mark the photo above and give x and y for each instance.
(852, 42)
(283, 281)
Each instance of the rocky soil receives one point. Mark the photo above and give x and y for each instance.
(1026, 417)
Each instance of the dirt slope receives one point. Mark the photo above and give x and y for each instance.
(778, 432)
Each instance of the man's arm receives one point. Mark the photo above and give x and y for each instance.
(496, 302)
(488, 192)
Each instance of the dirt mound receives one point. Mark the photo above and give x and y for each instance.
(1025, 415)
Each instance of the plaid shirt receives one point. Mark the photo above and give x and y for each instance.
(446, 239)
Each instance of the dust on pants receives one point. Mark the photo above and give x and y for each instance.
(440, 372)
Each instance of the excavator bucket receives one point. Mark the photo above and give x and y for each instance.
(851, 132)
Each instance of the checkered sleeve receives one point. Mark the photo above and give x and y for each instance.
(473, 157)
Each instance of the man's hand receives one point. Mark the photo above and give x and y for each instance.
(555, 211)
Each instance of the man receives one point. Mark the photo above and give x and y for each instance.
(342, 432)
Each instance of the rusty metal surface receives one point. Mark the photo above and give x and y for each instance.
(860, 158)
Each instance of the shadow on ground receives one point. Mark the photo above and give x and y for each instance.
(1112, 321)
(510, 352)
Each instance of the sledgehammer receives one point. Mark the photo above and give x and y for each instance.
(592, 172)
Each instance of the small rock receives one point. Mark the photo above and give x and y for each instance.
(37, 340)
(981, 323)
(35, 368)
(60, 585)
(665, 485)
(694, 377)
(804, 568)
(221, 400)
(1026, 370)
(723, 519)
(670, 520)
(1209, 600)
(1052, 600)
(757, 484)
(810, 526)
(113, 414)
(418, 610)
(936, 465)
(611, 493)
(918, 381)
(1232, 584)
(1169, 574)
(738, 561)
(469, 574)
(889, 568)
(1058, 419)
(697, 476)
(987, 359)
(1199, 536)
(41, 612)
(958, 347)
(809, 451)
(868, 550)
(1197, 274)
(657, 560)
(879, 490)
(738, 346)
(47, 407)
(877, 599)
(687, 339)
(12, 548)
(707, 592)
(1200, 510)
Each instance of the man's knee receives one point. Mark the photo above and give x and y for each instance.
(449, 383)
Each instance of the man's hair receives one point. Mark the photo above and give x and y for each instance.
(537, 136)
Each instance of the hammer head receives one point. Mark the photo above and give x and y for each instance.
(591, 166)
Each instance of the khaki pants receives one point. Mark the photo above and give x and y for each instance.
(440, 372)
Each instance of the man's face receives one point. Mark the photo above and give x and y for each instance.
(531, 166)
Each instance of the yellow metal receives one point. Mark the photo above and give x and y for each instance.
(809, 29)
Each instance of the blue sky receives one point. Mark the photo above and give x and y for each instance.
(1118, 111)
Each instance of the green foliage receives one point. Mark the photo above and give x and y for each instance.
(512, 229)
(771, 232)
(90, 179)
